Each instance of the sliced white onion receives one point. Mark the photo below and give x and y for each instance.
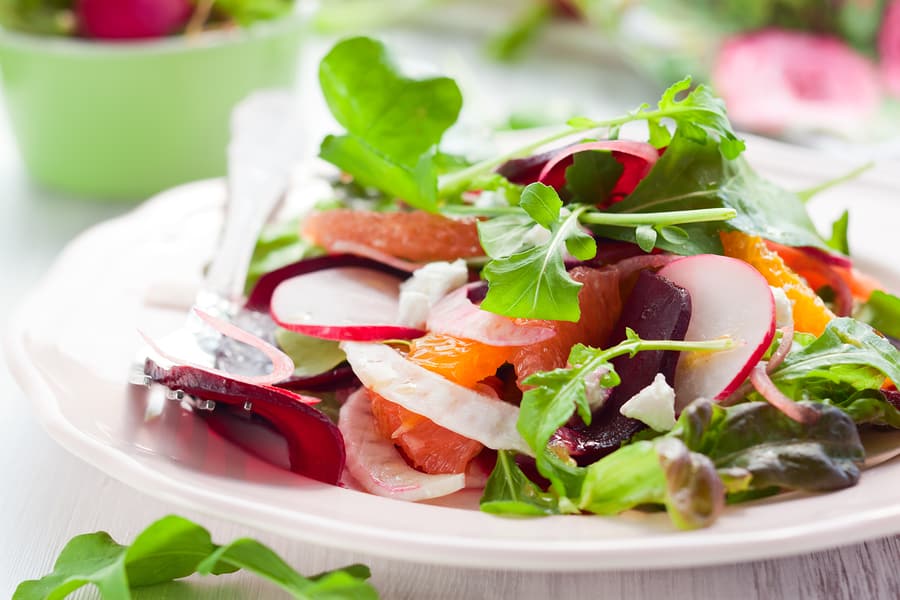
(456, 315)
(377, 465)
(459, 409)
(768, 390)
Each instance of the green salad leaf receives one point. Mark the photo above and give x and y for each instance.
(393, 122)
(247, 12)
(838, 240)
(694, 174)
(43, 17)
(509, 492)
(592, 176)
(279, 244)
(534, 281)
(881, 311)
(845, 367)
(172, 548)
(776, 450)
(311, 355)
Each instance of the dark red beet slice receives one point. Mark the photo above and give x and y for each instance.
(261, 294)
(339, 377)
(315, 445)
(656, 310)
(526, 170)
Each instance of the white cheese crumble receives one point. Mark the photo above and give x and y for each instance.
(654, 405)
(426, 286)
(784, 310)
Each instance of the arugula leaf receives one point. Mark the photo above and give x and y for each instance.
(693, 174)
(510, 492)
(775, 449)
(393, 122)
(311, 355)
(172, 548)
(556, 395)
(534, 283)
(697, 115)
(869, 406)
(847, 351)
(663, 471)
(882, 311)
(511, 43)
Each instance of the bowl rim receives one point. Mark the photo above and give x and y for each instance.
(50, 44)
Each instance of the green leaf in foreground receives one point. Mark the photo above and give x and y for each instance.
(170, 549)
(509, 492)
(393, 122)
(311, 355)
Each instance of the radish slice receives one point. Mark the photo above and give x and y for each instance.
(365, 251)
(282, 365)
(459, 409)
(729, 298)
(346, 303)
(768, 390)
(377, 465)
(456, 315)
(637, 158)
(261, 295)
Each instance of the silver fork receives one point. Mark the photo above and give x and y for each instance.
(266, 144)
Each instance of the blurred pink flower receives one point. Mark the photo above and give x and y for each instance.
(773, 80)
(889, 48)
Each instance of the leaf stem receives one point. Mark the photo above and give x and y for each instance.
(673, 217)
(457, 182)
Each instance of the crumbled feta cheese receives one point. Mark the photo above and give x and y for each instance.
(654, 405)
(426, 286)
(784, 314)
(596, 393)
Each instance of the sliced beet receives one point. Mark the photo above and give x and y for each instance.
(261, 294)
(341, 376)
(526, 170)
(315, 445)
(656, 310)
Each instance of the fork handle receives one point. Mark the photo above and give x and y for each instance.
(265, 145)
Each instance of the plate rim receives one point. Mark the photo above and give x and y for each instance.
(569, 555)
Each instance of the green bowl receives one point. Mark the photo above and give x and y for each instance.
(124, 121)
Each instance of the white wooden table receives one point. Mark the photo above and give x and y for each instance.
(48, 496)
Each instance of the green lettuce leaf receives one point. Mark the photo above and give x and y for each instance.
(881, 311)
(311, 355)
(509, 492)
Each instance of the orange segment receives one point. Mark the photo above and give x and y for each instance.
(600, 304)
(810, 313)
(416, 236)
(465, 362)
(428, 446)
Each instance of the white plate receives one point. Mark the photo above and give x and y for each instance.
(72, 341)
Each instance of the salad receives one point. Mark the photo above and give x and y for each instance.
(586, 324)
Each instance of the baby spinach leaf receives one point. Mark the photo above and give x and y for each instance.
(393, 122)
(775, 449)
(509, 492)
(868, 406)
(311, 355)
(172, 548)
(693, 174)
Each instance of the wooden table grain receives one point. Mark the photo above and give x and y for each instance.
(48, 496)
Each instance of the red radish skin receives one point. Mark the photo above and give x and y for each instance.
(889, 48)
(131, 19)
(636, 158)
(456, 315)
(261, 295)
(729, 298)
(343, 304)
(774, 80)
